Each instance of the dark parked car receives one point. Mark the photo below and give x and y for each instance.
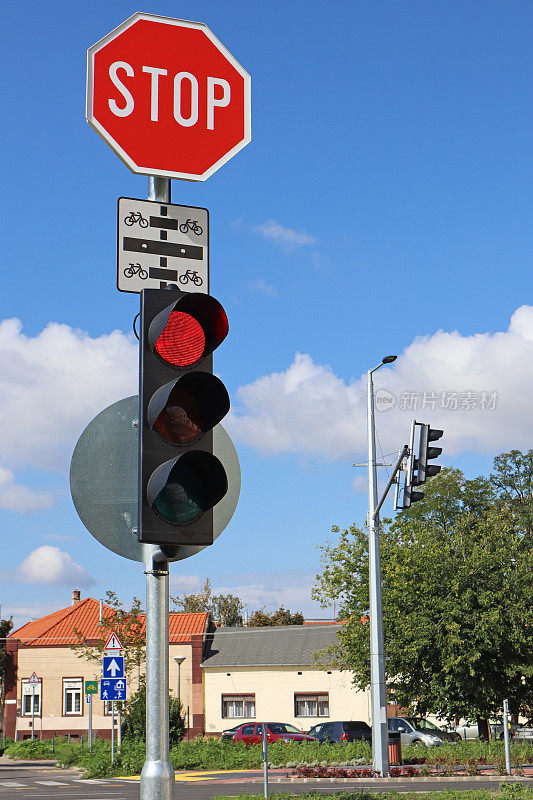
(342, 731)
(252, 733)
(227, 736)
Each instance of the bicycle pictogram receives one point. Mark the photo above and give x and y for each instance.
(135, 269)
(191, 225)
(136, 216)
(190, 275)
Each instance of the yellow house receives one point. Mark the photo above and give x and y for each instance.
(270, 674)
(57, 705)
(225, 676)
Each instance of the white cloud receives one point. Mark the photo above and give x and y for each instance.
(14, 497)
(50, 565)
(52, 385)
(308, 409)
(287, 238)
(259, 590)
(260, 286)
(25, 612)
(185, 584)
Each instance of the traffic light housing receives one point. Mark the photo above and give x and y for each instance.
(181, 401)
(418, 469)
(426, 452)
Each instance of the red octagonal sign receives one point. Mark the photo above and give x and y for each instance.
(168, 97)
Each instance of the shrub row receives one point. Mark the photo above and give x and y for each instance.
(210, 753)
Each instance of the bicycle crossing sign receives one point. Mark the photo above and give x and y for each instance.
(161, 243)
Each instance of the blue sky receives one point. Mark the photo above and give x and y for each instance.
(383, 205)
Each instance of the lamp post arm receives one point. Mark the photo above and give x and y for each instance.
(395, 471)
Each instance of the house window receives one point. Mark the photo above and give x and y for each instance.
(31, 697)
(72, 697)
(238, 706)
(311, 705)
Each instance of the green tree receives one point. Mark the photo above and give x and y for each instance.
(262, 619)
(128, 626)
(457, 601)
(226, 609)
(513, 481)
(134, 720)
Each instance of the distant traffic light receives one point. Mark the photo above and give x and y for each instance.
(180, 478)
(426, 453)
(418, 469)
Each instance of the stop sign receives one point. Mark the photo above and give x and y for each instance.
(168, 97)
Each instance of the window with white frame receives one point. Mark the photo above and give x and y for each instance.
(72, 697)
(311, 705)
(238, 706)
(31, 699)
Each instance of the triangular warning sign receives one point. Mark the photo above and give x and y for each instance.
(113, 643)
(34, 678)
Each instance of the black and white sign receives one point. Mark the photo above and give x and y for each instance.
(161, 243)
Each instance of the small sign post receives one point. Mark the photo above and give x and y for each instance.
(91, 687)
(114, 688)
(33, 682)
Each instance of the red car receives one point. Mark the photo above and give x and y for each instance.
(252, 733)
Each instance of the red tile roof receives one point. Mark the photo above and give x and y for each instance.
(58, 628)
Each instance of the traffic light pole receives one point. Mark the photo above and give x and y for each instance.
(378, 689)
(157, 776)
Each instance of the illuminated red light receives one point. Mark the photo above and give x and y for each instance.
(182, 341)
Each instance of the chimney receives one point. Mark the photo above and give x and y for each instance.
(76, 597)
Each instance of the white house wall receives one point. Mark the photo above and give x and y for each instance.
(274, 689)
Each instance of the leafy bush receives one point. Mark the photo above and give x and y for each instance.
(212, 754)
(134, 724)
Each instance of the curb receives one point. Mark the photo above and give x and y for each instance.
(421, 779)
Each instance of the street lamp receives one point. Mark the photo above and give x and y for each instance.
(179, 661)
(378, 689)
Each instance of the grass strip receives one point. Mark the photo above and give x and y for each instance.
(505, 791)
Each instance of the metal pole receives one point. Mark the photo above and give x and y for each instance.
(506, 736)
(179, 684)
(91, 722)
(157, 776)
(392, 479)
(265, 761)
(380, 737)
(113, 732)
(32, 709)
(119, 729)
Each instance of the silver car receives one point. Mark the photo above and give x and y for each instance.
(415, 731)
(524, 732)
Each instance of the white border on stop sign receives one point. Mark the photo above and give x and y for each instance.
(117, 149)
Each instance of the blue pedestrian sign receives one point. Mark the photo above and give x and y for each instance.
(113, 666)
(113, 689)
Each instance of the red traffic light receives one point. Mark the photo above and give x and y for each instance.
(182, 341)
(188, 330)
